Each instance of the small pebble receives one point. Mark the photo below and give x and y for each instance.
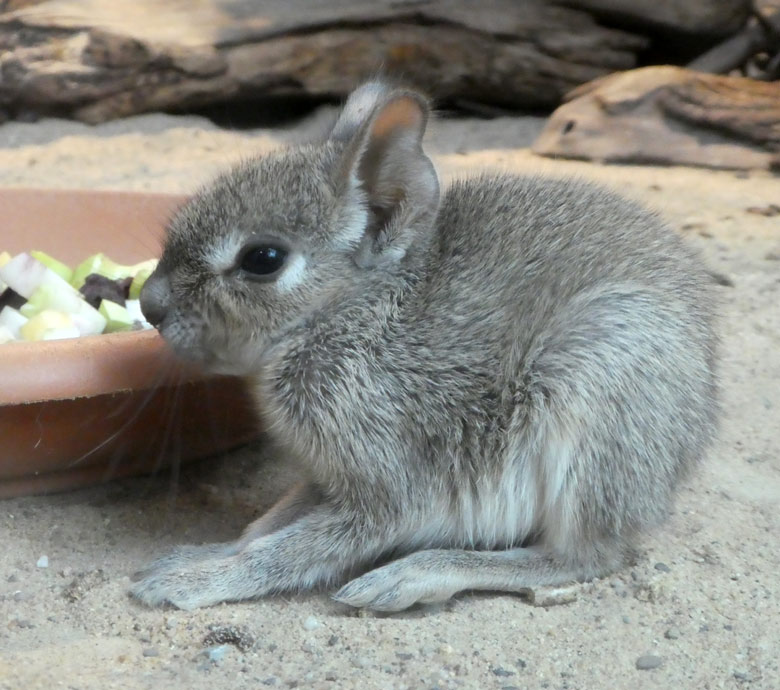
(404, 656)
(672, 634)
(331, 676)
(43, 562)
(216, 654)
(308, 647)
(502, 672)
(648, 662)
(662, 567)
(333, 640)
(311, 623)
(271, 680)
(151, 651)
(742, 676)
(361, 662)
(13, 578)
(626, 619)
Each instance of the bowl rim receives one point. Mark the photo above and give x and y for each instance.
(89, 365)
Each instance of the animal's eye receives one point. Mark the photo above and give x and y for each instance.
(263, 261)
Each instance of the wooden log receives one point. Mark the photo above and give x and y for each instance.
(737, 49)
(668, 116)
(704, 18)
(98, 60)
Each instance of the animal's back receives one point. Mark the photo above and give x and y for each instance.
(594, 320)
(539, 241)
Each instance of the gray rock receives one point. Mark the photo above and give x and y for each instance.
(662, 567)
(502, 672)
(43, 562)
(311, 623)
(672, 634)
(151, 651)
(648, 662)
(216, 654)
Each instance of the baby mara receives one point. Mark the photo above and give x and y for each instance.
(490, 388)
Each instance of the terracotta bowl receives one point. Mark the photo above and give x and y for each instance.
(85, 410)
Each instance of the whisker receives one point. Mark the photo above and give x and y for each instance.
(158, 377)
(130, 399)
(175, 421)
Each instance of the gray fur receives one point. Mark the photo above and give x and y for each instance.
(498, 389)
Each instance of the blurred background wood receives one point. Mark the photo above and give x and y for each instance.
(669, 116)
(714, 18)
(96, 60)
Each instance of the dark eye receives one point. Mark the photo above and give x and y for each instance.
(263, 261)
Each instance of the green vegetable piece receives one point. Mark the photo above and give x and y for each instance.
(139, 280)
(41, 299)
(29, 310)
(117, 317)
(63, 271)
(102, 265)
(85, 268)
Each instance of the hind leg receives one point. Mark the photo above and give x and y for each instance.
(437, 574)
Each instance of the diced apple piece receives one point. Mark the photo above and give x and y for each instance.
(6, 336)
(23, 274)
(49, 324)
(62, 270)
(61, 333)
(133, 307)
(117, 316)
(11, 319)
(85, 317)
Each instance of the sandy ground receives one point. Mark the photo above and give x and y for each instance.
(702, 597)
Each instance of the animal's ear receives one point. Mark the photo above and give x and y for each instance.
(384, 169)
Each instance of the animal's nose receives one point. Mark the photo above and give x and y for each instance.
(156, 297)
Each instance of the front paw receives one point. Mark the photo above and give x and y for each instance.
(183, 556)
(395, 587)
(187, 584)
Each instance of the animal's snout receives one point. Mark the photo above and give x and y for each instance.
(156, 297)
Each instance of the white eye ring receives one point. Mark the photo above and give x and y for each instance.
(292, 274)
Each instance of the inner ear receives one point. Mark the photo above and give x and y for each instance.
(405, 114)
(384, 164)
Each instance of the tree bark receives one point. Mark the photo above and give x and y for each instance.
(97, 60)
(669, 116)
